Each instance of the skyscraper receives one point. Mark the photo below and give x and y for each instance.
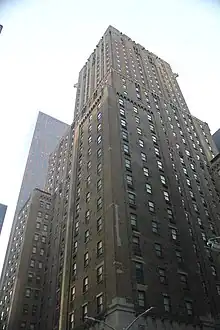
(3, 209)
(133, 202)
(216, 138)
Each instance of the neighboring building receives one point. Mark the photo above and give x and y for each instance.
(215, 171)
(47, 134)
(216, 138)
(133, 203)
(23, 280)
(134, 213)
(3, 209)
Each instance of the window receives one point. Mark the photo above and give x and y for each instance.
(141, 298)
(128, 164)
(89, 164)
(73, 293)
(85, 284)
(160, 165)
(122, 112)
(45, 227)
(189, 307)
(154, 227)
(166, 303)
(27, 293)
(184, 170)
(126, 149)
(141, 143)
(131, 199)
(89, 139)
(151, 206)
(72, 321)
(133, 219)
(32, 326)
(129, 180)
(137, 119)
(99, 224)
(162, 275)
(121, 102)
(154, 138)
(99, 168)
(43, 239)
(99, 203)
(139, 131)
(99, 301)
(25, 309)
(183, 280)
(162, 179)
(174, 234)
(32, 263)
(99, 185)
(36, 237)
(88, 180)
(152, 128)
(139, 272)
(179, 256)
(143, 156)
(41, 252)
(203, 236)
(123, 123)
(187, 152)
(125, 135)
(34, 249)
(86, 238)
(213, 270)
(195, 207)
(148, 188)
(135, 109)
(99, 152)
(39, 214)
(86, 259)
(88, 197)
(188, 182)
(40, 265)
(38, 225)
(157, 152)
(74, 270)
(99, 274)
(99, 139)
(158, 249)
(84, 311)
(99, 248)
(218, 289)
(166, 196)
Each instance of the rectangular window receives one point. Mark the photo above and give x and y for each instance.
(99, 203)
(162, 275)
(151, 206)
(157, 152)
(122, 112)
(143, 156)
(189, 307)
(146, 171)
(99, 248)
(179, 256)
(213, 270)
(87, 216)
(128, 164)
(99, 153)
(154, 138)
(86, 259)
(121, 102)
(85, 284)
(74, 270)
(88, 197)
(99, 168)
(160, 165)
(43, 239)
(99, 274)
(39, 214)
(126, 149)
(99, 127)
(84, 311)
(174, 234)
(166, 196)
(141, 298)
(158, 249)
(123, 123)
(41, 252)
(163, 179)
(218, 289)
(99, 185)
(36, 237)
(75, 245)
(154, 227)
(124, 135)
(137, 119)
(32, 263)
(99, 224)
(38, 225)
(40, 265)
(99, 139)
(76, 227)
(72, 321)
(183, 280)
(148, 188)
(27, 293)
(141, 143)
(34, 249)
(131, 199)
(45, 227)
(73, 293)
(129, 180)
(99, 301)
(90, 139)
(139, 271)
(166, 302)
(133, 219)
(139, 131)
(86, 238)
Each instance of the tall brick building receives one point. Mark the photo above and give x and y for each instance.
(134, 202)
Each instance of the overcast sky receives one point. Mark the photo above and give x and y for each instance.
(44, 43)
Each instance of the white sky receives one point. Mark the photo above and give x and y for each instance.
(44, 44)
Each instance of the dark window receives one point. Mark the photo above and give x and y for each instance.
(99, 274)
(136, 245)
(84, 311)
(189, 307)
(128, 164)
(99, 248)
(183, 280)
(179, 256)
(86, 259)
(162, 275)
(99, 224)
(166, 302)
(141, 298)
(86, 239)
(154, 227)
(158, 249)
(151, 206)
(133, 219)
(99, 301)
(99, 203)
(85, 284)
(131, 199)
(139, 273)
